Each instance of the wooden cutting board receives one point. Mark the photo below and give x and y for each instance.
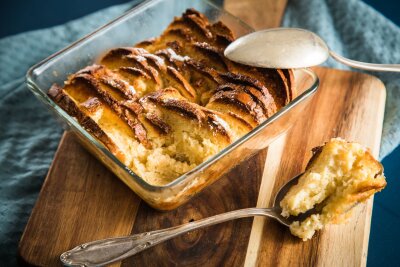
(81, 200)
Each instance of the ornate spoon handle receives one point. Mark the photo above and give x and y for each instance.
(110, 250)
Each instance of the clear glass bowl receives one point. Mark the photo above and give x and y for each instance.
(147, 20)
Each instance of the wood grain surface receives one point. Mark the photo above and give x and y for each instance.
(81, 200)
(257, 13)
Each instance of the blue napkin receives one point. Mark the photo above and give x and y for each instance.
(29, 135)
(357, 31)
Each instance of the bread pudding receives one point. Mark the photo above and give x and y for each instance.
(165, 105)
(339, 175)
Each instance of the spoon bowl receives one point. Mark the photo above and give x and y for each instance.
(107, 251)
(280, 48)
(290, 48)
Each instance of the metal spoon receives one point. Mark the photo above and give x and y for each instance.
(110, 250)
(290, 48)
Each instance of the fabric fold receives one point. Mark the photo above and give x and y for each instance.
(357, 31)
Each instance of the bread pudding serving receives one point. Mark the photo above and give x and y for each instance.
(339, 175)
(168, 104)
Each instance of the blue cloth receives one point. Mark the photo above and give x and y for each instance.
(355, 30)
(29, 136)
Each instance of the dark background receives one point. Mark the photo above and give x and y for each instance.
(21, 15)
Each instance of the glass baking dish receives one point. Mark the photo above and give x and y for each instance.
(147, 20)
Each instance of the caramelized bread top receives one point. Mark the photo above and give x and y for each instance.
(174, 86)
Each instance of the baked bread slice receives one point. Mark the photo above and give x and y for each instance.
(339, 175)
(168, 104)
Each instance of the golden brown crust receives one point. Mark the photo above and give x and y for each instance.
(338, 208)
(197, 39)
(65, 102)
(116, 93)
(172, 83)
(171, 100)
(339, 175)
(153, 65)
(290, 82)
(158, 123)
(224, 35)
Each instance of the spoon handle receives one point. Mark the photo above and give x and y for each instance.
(110, 250)
(364, 65)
